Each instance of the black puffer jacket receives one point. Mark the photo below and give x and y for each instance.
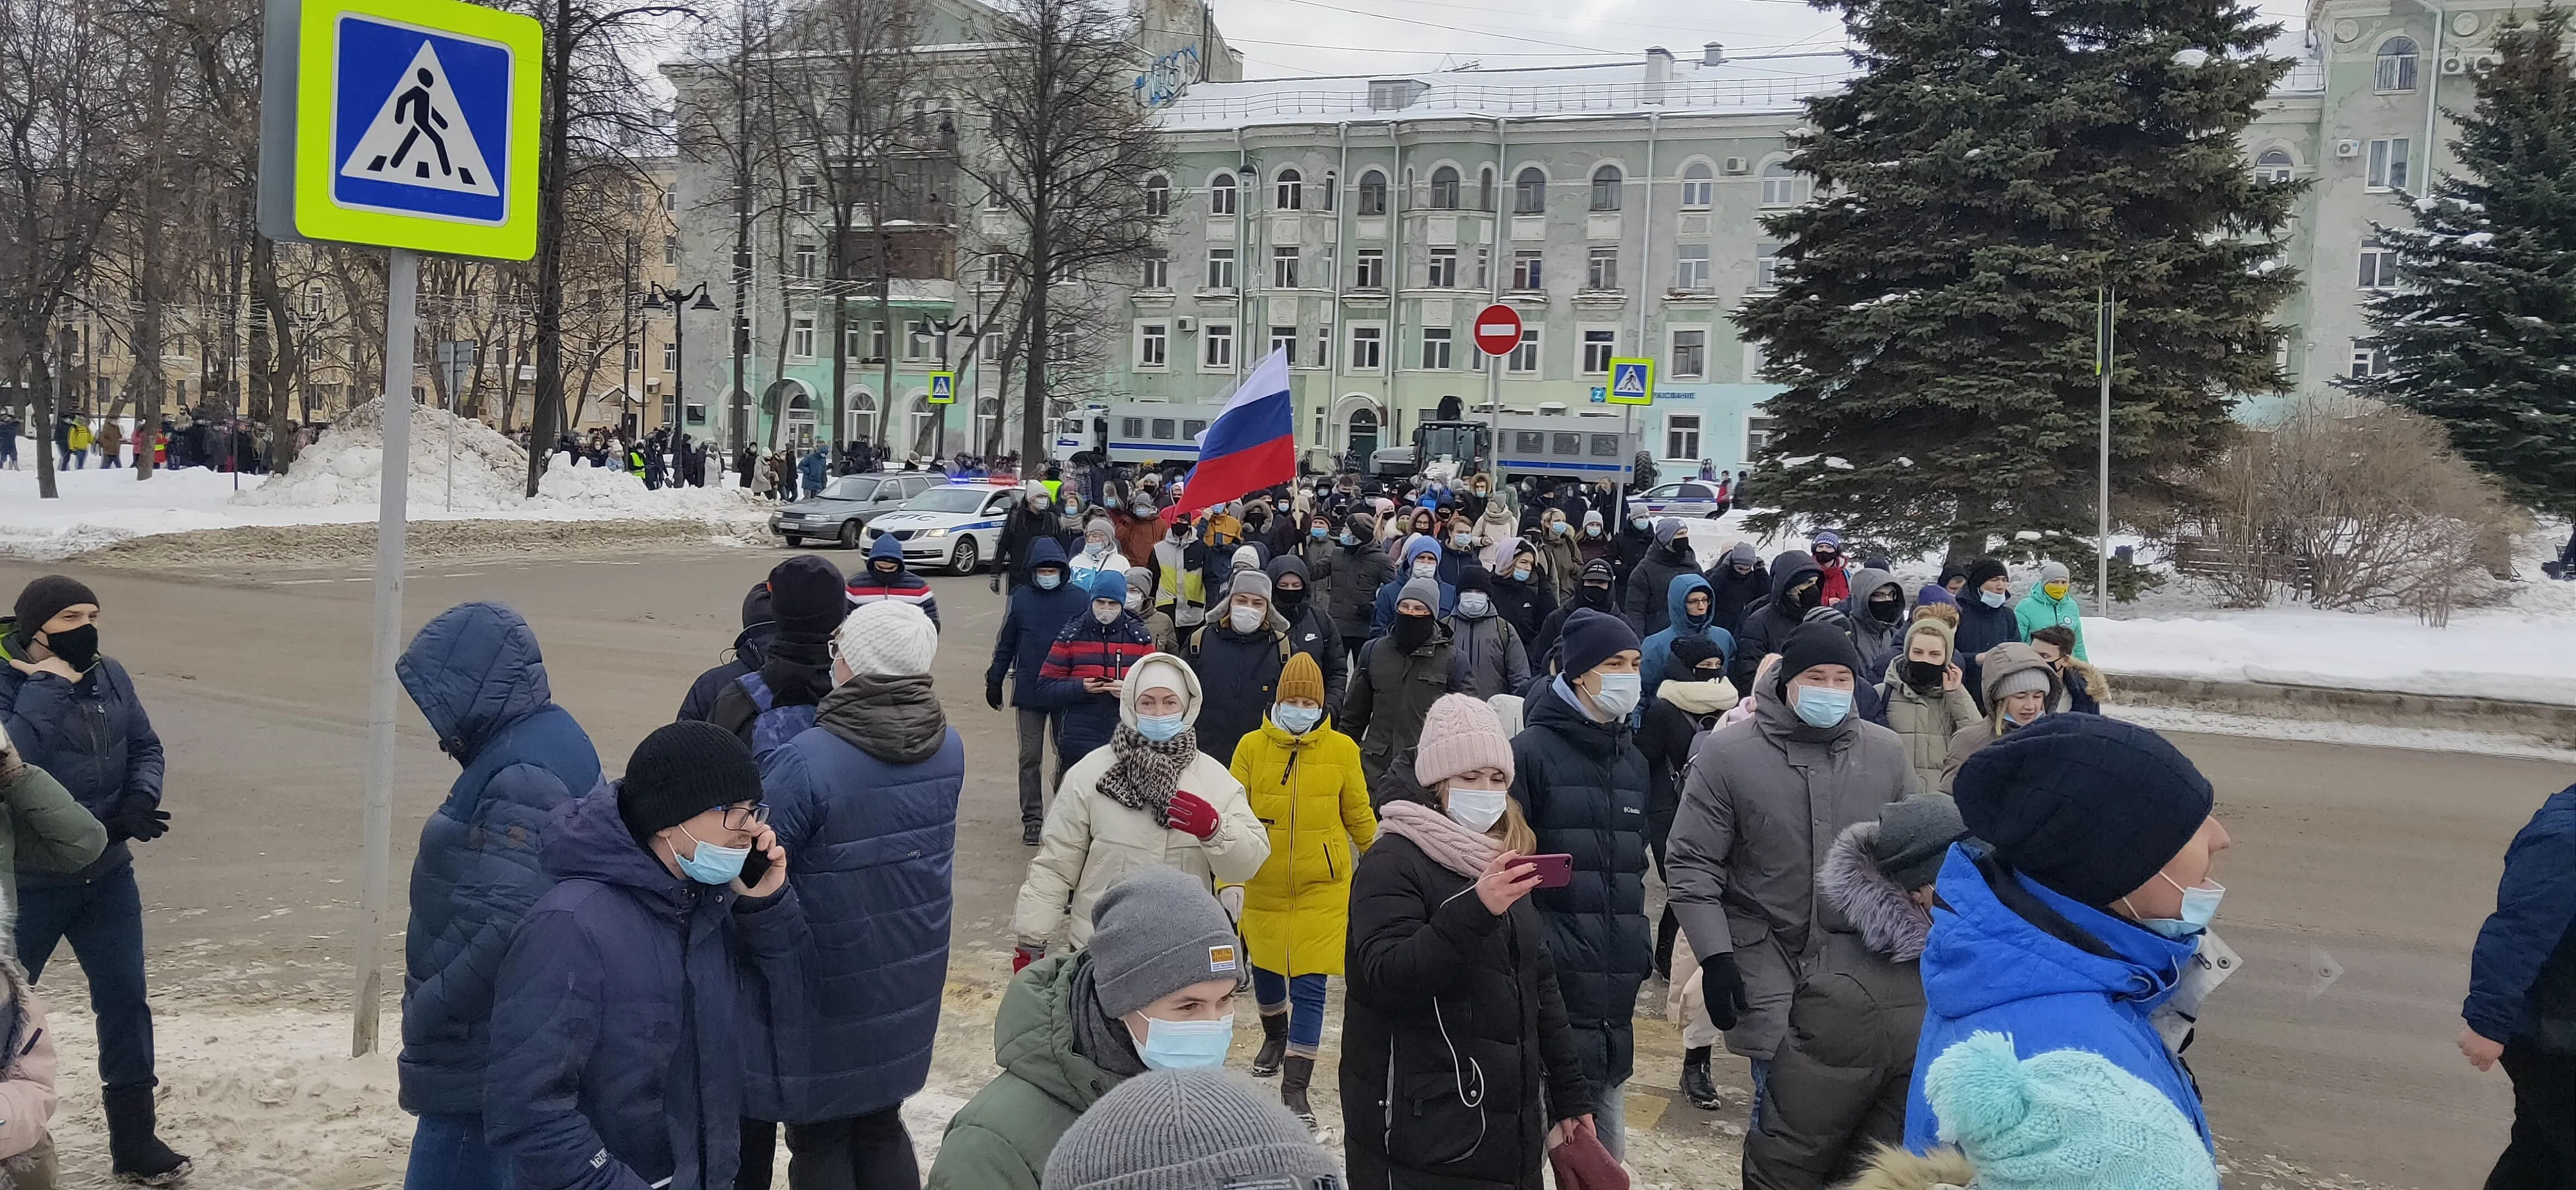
(1443, 996)
(1648, 605)
(1583, 785)
(1767, 624)
(1733, 593)
(1239, 675)
(1349, 576)
(1310, 628)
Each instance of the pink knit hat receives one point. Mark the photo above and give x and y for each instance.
(1460, 734)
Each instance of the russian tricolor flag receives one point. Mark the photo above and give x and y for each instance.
(1251, 445)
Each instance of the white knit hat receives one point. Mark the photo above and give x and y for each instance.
(887, 639)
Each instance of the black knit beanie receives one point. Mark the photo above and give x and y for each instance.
(755, 606)
(681, 771)
(1812, 645)
(2090, 807)
(1985, 568)
(46, 598)
(806, 596)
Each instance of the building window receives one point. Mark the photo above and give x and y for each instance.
(1218, 341)
(805, 261)
(2368, 360)
(313, 302)
(2378, 266)
(1444, 269)
(1483, 260)
(1485, 189)
(1220, 268)
(1757, 435)
(1158, 272)
(1598, 347)
(1221, 195)
(1153, 344)
(1290, 191)
(1324, 346)
(992, 347)
(671, 249)
(917, 337)
(1527, 270)
(1766, 267)
(1331, 195)
(1783, 186)
(1699, 187)
(1524, 357)
(1372, 269)
(800, 338)
(1435, 348)
(1284, 339)
(1444, 189)
(670, 357)
(1690, 356)
(1283, 268)
(1681, 436)
(670, 200)
(806, 194)
(1690, 268)
(1366, 345)
(2273, 166)
(1607, 183)
(1158, 196)
(2396, 70)
(1601, 268)
(2388, 163)
(1372, 193)
(1529, 192)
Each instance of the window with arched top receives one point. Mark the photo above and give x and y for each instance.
(2274, 166)
(1485, 189)
(1699, 187)
(2396, 69)
(1444, 189)
(1331, 189)
(1158, 196)
(1529, 192)
(1607, 185)
(1372, 193)
(1221, 195)
(1783, 186)
(1290, 191)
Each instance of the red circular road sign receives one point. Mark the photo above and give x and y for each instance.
(1498, 329)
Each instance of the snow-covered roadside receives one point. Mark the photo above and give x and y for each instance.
(2413, 739)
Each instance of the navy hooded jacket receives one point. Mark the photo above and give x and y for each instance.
(903, 586)
(1031, 624)
(619, 1028)
(1657, 651)
(476, 675)
(2522, 976)
(750, 652)
(92, 736)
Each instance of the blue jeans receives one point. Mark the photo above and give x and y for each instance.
(1761, 1090)
(103, 920)
(448, 1153)
(1302, 998)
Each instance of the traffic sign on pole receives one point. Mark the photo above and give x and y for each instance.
(1632, 382)
(1498, 329)
(943, 388)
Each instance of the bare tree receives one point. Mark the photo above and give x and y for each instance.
(1071, 150)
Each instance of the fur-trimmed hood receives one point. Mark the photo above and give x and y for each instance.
(1895, 1169)
(1886, 918)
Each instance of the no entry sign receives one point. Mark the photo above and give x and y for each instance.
(1498, 329)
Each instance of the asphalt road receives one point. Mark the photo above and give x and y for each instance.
(2379, 862)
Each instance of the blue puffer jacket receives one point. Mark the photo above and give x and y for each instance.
(1992, 968)
(477, 677)
(1031, 624)
(866, 805)
(92, 736)
(620, 1024)
(2522, 976)
(1657, 653)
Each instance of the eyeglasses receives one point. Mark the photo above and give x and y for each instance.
(743, 818)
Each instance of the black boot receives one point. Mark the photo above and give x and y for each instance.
(1274, 1045)
(1292, 1088)
(1697, 1086)
(133, 1151)
(1665, 930)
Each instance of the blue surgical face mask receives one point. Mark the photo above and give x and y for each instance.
(1520, 574)
(1297, 720)
(1619, 694)
(1185, 1045)
(1992, 598)
(1347, 539)
(1317, 533)
(1823, 706)
(1159, 728)
(711, 864)
(1048, 581)
(2199, 908)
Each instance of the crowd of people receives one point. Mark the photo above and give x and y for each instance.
(1435, 751)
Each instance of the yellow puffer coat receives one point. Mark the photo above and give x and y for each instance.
(1308, 792)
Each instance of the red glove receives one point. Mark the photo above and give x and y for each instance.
(1189, 814)
(1025, 954)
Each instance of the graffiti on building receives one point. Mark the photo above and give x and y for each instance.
(1168, 76)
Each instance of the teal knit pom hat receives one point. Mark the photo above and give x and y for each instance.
(2063, 1120)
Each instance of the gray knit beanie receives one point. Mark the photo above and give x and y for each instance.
(1914, 836)
(1156, 931)
(1427, 591)
(2019, 681)
(1189, 1130)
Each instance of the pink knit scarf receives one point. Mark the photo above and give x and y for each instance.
(1453, 846)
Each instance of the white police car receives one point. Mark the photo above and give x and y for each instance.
(957, 525)
(1689, 498)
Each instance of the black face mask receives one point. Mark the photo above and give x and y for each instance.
(1886, 610)
(1924, 676)
(887, 571)
(1809, 597)
(1292, 603)
(1411, 632)
(1591, 596)
(78, 647)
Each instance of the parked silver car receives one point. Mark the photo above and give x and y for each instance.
(845, 506)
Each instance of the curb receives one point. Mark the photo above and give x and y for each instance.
(2552, 722)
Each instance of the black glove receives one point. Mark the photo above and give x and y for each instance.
(138, 819)
(993, 695)
(1721, 990)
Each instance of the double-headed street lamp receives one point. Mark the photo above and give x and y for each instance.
(678, 301)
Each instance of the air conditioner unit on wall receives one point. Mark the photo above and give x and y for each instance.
(1737, 165)
(2489, 61)
(2454, 65)
(1186, 323)
(2347, 148)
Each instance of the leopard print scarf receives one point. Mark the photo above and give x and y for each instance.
(1143, 774)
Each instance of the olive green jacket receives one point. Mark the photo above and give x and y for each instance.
(1000, 1140)
(47, 830)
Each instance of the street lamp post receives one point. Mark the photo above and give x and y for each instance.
(678, 301)
(965, 323)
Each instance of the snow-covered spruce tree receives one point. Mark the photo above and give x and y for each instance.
(1934, 316)
(2481, 333)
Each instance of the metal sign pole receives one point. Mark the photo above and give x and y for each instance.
(377, 820)
(2102, 555)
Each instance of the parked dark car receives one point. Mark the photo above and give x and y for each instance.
(845, 506)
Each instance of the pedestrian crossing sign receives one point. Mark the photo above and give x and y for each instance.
(415, 126)
(1632, 382)
(943, 388)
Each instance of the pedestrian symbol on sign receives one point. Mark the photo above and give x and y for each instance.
(1632, 382)
(943, 388)
(420, 136)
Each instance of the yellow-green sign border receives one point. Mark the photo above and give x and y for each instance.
(318, 217)
(1610, 384)
(932, 397)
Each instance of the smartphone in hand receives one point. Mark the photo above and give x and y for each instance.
(1554, 871)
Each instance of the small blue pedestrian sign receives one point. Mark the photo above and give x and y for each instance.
(1632, 382)
(414, 116)
(943, 388)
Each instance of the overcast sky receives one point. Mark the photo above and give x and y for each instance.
(1288, 38)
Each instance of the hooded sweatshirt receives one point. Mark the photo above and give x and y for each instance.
(866, 586)
(1767, 625)
(1658, 651)
(1874, 638)
(1033, 619)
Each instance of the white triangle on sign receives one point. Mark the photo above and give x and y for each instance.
(420, 138)
(1632, 382)
(938, 386)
